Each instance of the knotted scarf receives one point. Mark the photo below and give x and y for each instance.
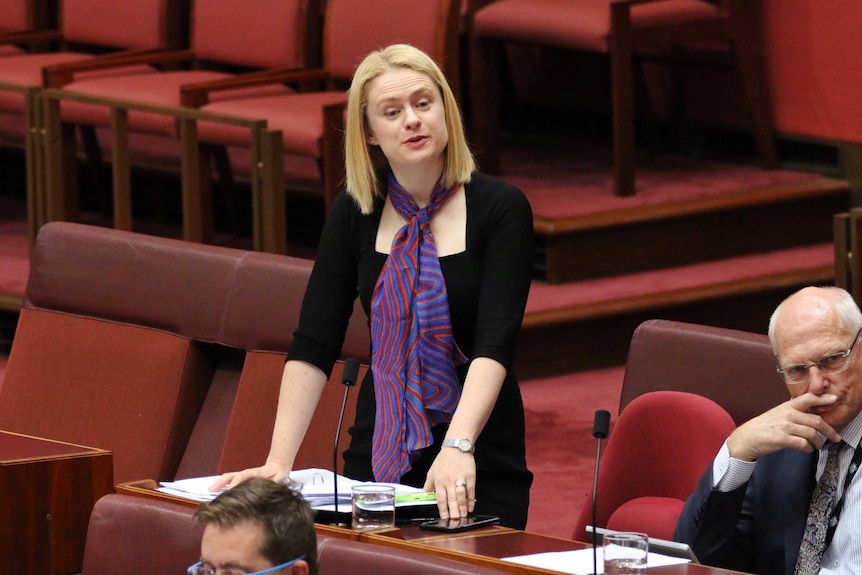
(413, 350)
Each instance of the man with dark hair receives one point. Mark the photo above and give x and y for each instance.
(259, 526)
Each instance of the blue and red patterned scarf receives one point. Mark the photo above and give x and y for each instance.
(414, 354)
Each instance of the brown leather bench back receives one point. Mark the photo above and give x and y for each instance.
(166, 352)
(735, 369)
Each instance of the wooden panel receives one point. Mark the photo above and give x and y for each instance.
(47, 491)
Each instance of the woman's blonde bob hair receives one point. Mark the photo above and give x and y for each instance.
(364, 163)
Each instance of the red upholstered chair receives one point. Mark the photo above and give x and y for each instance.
(658, 449)
(129, 535)
(226, 38)
(311, 122)
(87, 28)
(623, 29)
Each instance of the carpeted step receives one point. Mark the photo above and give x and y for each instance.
(588, 324)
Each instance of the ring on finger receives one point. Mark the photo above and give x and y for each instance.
(461, 484)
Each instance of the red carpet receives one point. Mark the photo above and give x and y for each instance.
(566, 178)
(561, 450)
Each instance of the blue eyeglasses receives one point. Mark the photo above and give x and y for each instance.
(200, 569)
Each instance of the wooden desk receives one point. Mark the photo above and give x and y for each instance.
(486, 546)
(47, 492)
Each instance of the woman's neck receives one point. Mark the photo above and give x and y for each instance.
(418, 183)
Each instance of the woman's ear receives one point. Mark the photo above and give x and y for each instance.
(299, 568)
(371, 139)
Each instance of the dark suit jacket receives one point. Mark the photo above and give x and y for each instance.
(758, 527)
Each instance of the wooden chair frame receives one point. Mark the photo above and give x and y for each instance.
(624, 43)
(196, 198)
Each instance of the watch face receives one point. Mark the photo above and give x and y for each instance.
(465, 445)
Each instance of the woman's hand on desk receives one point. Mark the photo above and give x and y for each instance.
(270, 470)
(453, 477)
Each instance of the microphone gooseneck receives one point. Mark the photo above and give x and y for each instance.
(601, 423)
(348, 378)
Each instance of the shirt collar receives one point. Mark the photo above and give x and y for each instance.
(852, 432)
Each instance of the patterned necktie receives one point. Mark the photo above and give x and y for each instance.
(814, 537)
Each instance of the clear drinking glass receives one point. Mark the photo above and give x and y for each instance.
(625, 553)
(373, 506)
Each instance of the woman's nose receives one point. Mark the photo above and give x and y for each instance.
(411, 118)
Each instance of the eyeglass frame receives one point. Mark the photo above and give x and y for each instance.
(191, 569)
(807, 366)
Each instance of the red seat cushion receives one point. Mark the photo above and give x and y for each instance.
(654, 515)
(298, 116)
(582, 24)
(159, 89)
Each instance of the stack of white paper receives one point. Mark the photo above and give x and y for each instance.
(316, 488)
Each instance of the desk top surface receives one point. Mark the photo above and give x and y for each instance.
(19, 448)
(484, 546)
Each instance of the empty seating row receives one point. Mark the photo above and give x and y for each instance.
(238, 71)
(229, 81)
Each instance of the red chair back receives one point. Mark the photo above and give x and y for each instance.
(126, 25)
(129, 534)
(660, 446)
(354, 28)
(267, 34)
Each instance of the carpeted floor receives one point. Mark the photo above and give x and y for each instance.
(561, 449)
(568, 177)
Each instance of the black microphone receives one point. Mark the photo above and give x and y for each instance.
(348, 378)
(601, 422)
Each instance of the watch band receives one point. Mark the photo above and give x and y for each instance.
(462, 444)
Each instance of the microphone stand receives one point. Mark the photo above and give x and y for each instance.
(348, 379)
(600, 431)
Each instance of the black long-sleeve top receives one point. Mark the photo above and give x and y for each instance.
(487, 287)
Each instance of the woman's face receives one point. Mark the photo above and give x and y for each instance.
(407, 121)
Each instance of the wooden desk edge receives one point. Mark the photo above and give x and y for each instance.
(422, 546)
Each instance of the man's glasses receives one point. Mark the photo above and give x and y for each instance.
(200, 569)
(828, 365)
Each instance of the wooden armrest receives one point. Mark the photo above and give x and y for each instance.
(59, 75)
(30, 37)
(197, 94)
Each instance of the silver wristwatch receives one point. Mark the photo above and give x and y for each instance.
(464, 445)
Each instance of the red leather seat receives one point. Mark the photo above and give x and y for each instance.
(130, 534)
(658, 449)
